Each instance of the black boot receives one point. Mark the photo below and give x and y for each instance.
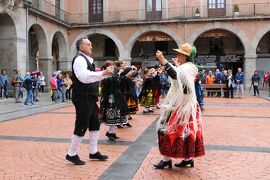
(98, 156)
(185, 163)
(75, 159)
(163, 164)
(110, 136)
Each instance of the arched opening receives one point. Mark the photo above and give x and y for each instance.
(221, 49)
(33, 63)
(37, 47)
(8, 44)
(59, 52)
(143, 53)
(55, 54)
(104, 48)
(263, 54)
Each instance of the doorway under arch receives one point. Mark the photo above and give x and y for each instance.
(143, 52)
(219, 48)
(104, 48)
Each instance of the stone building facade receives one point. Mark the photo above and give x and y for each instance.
(41, 34)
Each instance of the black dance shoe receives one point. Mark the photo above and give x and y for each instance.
(75, 159)
(115, 137)
(185, 163)
(119, 126)
(129, 118)
(145, 111)
(110, 136)
(98, 156)
(163, 164)
(128, 125)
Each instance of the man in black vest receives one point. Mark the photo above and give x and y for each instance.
(84, 97)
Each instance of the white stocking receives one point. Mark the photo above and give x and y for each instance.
(93, 140)
(75, 144)
(165, 158)
(112, 129)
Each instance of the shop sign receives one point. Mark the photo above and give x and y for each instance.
(213, 59)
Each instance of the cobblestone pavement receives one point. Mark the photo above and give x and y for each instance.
(34, 142)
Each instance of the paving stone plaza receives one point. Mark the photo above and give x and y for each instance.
(33, 143)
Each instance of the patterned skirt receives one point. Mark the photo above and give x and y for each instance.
(175, 146)
(112, 115)
(148, 100)
(132, 106)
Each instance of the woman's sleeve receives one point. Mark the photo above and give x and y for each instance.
(171, 72)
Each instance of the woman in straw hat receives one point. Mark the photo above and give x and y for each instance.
(180, 124)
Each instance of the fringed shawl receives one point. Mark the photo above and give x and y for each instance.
(183, 105)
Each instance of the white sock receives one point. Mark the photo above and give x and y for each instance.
(93, 140)
(187, 159)
(75, 144)
(165, 158)
(111, 129)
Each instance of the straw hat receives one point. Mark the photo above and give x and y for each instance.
(185, 49)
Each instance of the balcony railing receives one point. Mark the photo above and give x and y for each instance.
(50, 9)
(140, 15)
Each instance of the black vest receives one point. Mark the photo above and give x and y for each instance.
(82, 88)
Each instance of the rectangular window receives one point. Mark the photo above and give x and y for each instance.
(57, 9)
(149, 5)
(153, 9)
(216, 8)
(158, 5)
(95, 10)
(211, 4)
(220, 4)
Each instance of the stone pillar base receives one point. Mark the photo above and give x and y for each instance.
(249, 68)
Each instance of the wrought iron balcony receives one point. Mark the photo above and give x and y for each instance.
(50, 9)
(251, 10)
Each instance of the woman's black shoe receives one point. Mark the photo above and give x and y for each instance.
(163, 164)
(119, 126)
(185, 163)
(110, 136)
(128, 125)
(115, 137)
(129, 118)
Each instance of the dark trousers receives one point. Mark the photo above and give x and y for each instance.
(86, 113)
(68, 94)
(212, 93)
(255, 89)
(1, 91)
(229, 91)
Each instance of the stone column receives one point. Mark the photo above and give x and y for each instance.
(249, 68)
(45, 66)
(64, 64)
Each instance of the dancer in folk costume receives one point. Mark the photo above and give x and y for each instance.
(180, 125)
(128, 87)
(113, 106)
(157, 87)
(147, 98)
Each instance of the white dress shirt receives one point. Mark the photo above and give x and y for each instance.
(82, 73)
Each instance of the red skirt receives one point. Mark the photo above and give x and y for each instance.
(175, 146)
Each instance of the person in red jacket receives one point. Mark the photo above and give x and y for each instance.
(53, 85)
